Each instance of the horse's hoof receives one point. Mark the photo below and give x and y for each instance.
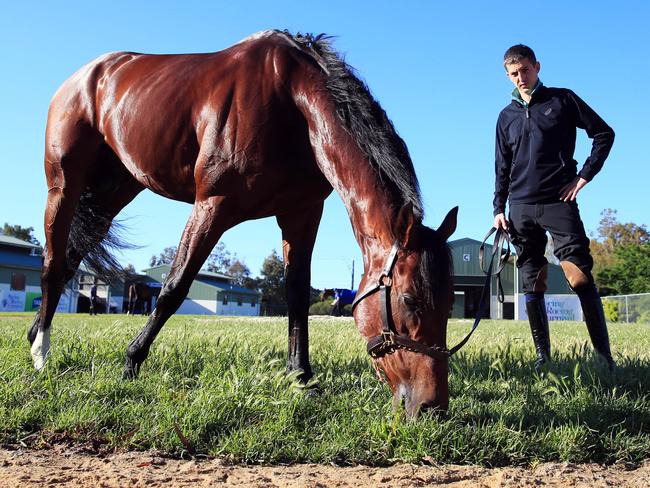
(33, 330)
(40, 348)
(303, 375)
(31, 335)
(39, 363)
(131, 370)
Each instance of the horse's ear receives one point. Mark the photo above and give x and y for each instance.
(406, 226)
(448, 226)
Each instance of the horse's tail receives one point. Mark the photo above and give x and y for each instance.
(96, 236)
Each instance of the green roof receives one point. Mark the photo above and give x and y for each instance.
(14, 241)
(202, 272)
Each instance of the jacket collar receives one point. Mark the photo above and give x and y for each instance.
(516, 96)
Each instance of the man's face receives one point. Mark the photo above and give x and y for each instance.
(523, 74)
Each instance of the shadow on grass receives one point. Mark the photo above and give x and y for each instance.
(575, 388)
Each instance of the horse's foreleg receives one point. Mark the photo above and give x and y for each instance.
(208, 221)
(298, 237)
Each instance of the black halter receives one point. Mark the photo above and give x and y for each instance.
(389, 340)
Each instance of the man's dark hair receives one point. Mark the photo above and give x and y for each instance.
(517, 53)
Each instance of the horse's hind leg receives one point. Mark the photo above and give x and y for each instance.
(66, 153)
(298, 237)
(209, 220)
(68, 181)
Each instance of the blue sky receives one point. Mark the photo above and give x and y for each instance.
(435, 68)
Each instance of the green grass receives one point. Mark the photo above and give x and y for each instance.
(218, 387)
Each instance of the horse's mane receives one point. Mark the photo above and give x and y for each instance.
(366, 121)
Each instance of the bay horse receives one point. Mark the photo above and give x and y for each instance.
(267, 127)
(139, 298)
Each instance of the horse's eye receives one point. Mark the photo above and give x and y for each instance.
(410, 303)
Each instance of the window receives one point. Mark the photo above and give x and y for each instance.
(18, 281)
(86, 278)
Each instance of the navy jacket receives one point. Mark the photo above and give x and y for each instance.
(535, 146)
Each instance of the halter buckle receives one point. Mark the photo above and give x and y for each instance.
(386, 346)
(388, 338)
(385, 280)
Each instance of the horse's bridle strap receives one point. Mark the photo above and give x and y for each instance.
(389, 340)
(385, 273)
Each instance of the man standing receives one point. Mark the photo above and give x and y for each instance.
(537, 175)
(93, 298)
(342, 297)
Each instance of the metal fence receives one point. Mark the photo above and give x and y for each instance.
(627, 308)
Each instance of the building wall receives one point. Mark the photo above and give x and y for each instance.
(32, 276)
(29, 299)
(207, 297)
(197, 307)
(234, 308)
(469, 279)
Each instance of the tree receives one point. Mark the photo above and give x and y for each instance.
(629, 272)
(22, 233)
(239, 272)
(220, 259)
(272, 281)
(314, 295)
(612, 234)
(165, 257)
(129, 269)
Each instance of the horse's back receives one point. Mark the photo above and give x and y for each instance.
(159, 113)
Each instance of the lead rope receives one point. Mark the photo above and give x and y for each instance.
(500, 239)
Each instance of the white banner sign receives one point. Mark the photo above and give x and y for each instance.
(558, 307)
(12, 301)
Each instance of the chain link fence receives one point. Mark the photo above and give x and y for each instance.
(627, 308)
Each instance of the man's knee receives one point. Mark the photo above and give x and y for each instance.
(574, 275)
(534, 276)
(540, 283)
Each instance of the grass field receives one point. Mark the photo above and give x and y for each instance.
(217, 386)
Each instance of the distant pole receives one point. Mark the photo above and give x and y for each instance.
(352, 283)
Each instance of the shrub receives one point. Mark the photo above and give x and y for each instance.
(321, 308)
(611, 310)
(644, 317)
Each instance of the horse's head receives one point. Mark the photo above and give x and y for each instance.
(406, 322)
(327, 292)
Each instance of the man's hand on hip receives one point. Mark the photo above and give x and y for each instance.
(500, 221)
(569, 192)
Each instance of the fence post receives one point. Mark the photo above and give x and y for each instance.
(627, 316)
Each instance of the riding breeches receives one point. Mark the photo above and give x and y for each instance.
(528, 225)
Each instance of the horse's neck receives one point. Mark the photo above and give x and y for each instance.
(368, 200)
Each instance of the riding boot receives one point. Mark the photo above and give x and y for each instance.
(592, 309)
(536, 310)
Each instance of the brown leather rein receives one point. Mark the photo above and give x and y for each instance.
(390, 340)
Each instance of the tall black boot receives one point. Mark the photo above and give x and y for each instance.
(536, 309)
(592, 309)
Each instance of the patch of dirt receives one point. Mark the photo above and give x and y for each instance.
(65, 466)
